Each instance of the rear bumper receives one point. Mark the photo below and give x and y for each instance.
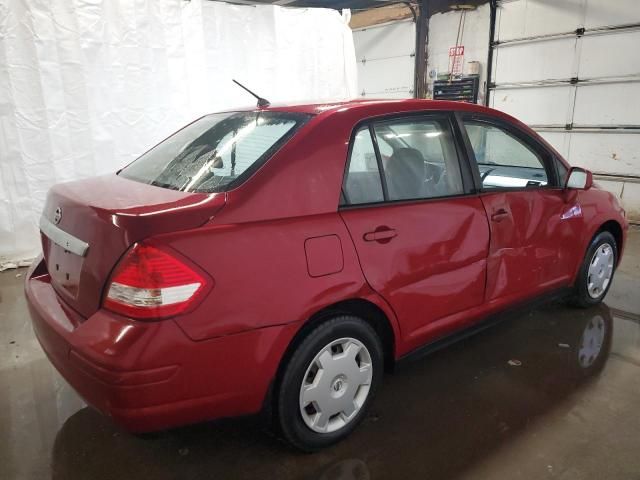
(150, 375)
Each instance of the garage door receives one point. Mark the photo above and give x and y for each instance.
(571, 70)
(386, 59)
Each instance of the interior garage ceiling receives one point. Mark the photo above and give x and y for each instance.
(434, 6)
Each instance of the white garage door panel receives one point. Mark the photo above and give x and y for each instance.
(613, 186)
(612, 153)
(631, 199)
(386, 61)
(610, 54)
(534, 17)
(612, 12)
(558, 140)
(514, 62)
(391, 78)
(390, 40)
(607, 104)
(605, 60)
(534, 106)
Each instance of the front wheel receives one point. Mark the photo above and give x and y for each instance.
(596, 272)
(329, 383)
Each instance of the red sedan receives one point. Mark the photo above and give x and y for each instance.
(281, 258)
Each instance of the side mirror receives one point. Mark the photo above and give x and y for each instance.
(579, 179)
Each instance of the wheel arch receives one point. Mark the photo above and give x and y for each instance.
(358, 307)
(615, 229)
(362, 308)
(593, 228)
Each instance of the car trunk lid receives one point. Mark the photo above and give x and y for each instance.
(88, 225)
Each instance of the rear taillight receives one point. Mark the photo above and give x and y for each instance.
(150, 283)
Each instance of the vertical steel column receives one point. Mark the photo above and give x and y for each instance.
(422, 34)
(492, 32)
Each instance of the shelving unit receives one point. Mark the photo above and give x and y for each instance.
(463, 89)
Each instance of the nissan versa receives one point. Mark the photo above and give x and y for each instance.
(280, 259)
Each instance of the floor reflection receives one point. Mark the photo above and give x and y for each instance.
(435, 418)
(551, 392)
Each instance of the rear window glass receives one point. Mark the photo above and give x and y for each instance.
(216, 152)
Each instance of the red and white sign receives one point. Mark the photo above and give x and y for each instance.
(456, 58)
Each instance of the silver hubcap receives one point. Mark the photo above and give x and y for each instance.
(592, 340)
(335, 385)
(600, 270)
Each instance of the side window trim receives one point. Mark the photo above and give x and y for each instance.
(545, 156)
(344, 198)
(376, 149)
(560, 178)
(470, 175)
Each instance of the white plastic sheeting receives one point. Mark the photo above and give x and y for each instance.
(88, 85)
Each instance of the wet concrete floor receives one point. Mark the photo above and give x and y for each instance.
(531, 398)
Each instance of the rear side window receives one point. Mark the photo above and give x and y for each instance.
(216, 152)
(418, 157)
(363, 184)
(423, 162)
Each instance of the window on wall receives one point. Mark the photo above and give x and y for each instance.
(419, 158)
(503, 160)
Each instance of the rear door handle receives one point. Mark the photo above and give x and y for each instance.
(380, 234)
(499, 215)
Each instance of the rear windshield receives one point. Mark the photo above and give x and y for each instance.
(216, 152)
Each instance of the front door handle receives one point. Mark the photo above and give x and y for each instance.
(380, 235)
(499, 215)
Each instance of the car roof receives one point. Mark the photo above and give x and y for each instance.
(373, 105)
(363, 108)
(376, 105)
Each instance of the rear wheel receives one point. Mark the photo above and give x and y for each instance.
(329, 383)
(596, 272)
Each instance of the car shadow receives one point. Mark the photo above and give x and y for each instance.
(434, 418)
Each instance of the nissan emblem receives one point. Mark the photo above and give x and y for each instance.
(57, 216)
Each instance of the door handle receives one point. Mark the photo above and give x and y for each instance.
(381, 235)
(499, 215)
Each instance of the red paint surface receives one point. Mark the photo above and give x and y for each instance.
(445, 265)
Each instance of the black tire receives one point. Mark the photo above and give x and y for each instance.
(288, 416)
(581, 297)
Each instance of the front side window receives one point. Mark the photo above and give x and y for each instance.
(419, 158)
(503, 160)
(216, 152)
